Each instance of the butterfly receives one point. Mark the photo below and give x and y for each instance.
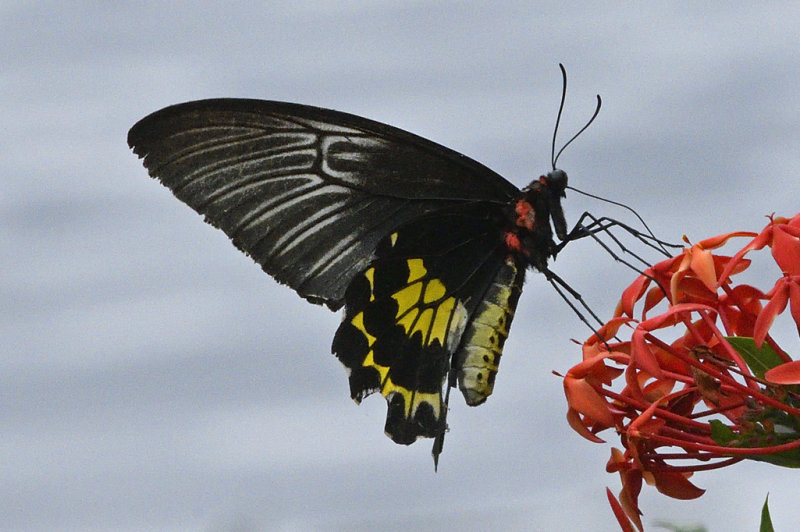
(425, 248)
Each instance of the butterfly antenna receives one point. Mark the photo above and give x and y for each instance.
(596, 111)
(558, 118)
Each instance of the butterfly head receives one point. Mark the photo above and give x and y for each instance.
(556, 185)
(556, 182)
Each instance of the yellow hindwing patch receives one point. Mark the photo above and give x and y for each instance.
(426, 316)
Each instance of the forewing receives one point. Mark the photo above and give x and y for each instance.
(306, 192)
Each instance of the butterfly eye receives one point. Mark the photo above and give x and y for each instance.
(557, 181)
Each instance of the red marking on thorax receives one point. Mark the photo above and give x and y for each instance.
(526, 216)
(512, 242)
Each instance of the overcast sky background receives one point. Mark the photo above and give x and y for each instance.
(152, 377)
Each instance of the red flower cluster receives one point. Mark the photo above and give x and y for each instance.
(719, 390)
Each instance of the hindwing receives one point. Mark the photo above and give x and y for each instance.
(306, 192)
(407, 313)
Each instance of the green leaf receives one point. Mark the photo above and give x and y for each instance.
(720, 432)
(766, 521)
(723, 435)
(784, 459)
(758, 359)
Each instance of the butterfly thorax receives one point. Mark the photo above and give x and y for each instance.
(530, 234)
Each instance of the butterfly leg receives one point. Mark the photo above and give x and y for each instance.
(604, 225)
(591, 226)
(563, 289)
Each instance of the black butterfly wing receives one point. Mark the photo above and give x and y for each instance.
(408, 234)
(307, 192)
(442, 288)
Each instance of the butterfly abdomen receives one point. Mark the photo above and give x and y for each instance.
(478, 358)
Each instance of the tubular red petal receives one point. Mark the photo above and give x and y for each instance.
(632, 294)
(786, 251)
(758, 242)
(677, 486)
(720, 240)
(794, 298)
(583, 398)
(619, 513)
(788, 373)
(775, 306)
(703, 267)
(641, 355)
(629, 496)
(575, 421)
(654, 296)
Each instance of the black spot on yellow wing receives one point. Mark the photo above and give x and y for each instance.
(479, 355)
(399, 332)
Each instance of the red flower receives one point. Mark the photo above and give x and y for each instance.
(720, 364)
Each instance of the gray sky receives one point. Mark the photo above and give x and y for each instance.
(153, 377)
